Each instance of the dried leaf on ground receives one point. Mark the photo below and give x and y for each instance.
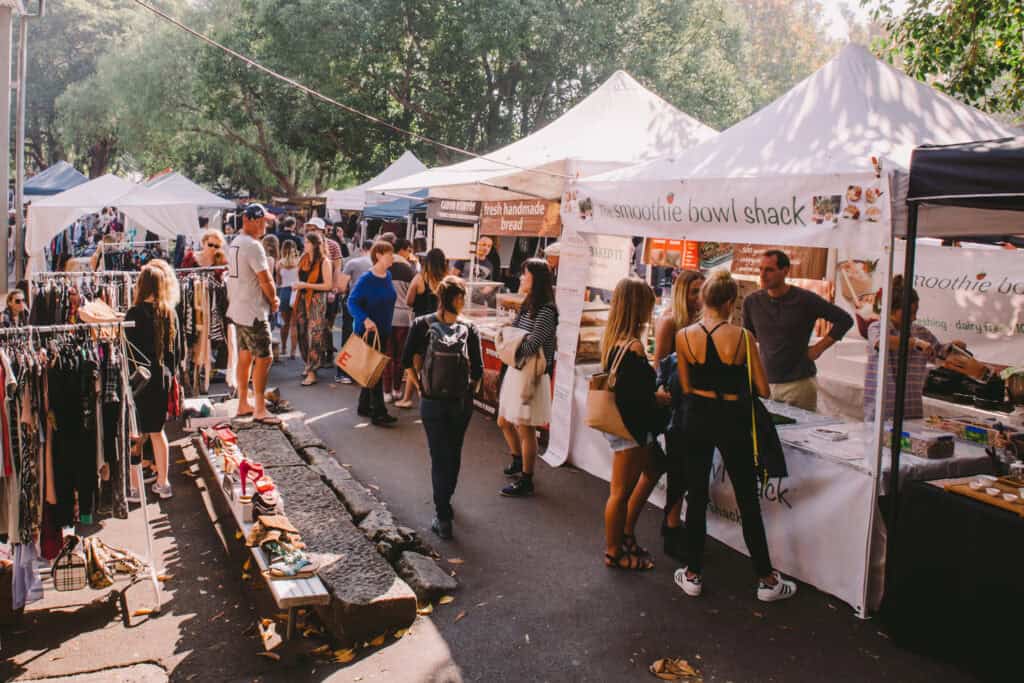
(670, 669)
(164, 577)
(322, 650)
(425, 610)
(311, 632)
(246, 576)
(400, 632)
(142, 612)
(181, 461)
(247, 564)
(456, 560)
(344, 656)
(446, 600)
(459, 617)
(238, 535)
(378, 641)
(269, 655)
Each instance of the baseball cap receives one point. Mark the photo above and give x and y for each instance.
(254, 211)
(317, 223)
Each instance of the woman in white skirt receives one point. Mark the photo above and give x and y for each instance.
(525, 400)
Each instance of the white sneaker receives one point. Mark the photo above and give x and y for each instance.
(133, 496)
(690, 586)
(782, 590)
(388, 398)
(162, 492)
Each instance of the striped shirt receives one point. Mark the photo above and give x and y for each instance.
(917, 372)
(540, 333)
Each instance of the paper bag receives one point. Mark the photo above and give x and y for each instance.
(361, 361)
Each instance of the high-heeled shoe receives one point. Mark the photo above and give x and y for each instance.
(249, 470)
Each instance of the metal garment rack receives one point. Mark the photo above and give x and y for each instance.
(120, 325)
(55, 274)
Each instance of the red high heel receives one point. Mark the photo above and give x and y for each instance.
(246, 468)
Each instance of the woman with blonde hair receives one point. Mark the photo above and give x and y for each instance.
(287, 275)
(713, 371)
(639, 404)
(155, 336)
(684, 310)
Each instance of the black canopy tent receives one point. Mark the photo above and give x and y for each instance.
(971, 191)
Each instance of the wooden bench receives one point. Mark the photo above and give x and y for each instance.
(289, 594)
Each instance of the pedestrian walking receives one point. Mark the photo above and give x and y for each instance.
(287, 276)
(519, 419)
(443, 360)
(713, 370)
(372, 304)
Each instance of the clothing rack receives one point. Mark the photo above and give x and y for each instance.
(135, 461)
(201, 269)
(42, 275)
(126, 324)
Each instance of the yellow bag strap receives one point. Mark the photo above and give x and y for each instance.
(750, 383)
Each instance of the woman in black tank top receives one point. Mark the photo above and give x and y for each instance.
(713, 370)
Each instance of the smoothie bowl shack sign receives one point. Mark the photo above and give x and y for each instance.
(521, 218)
(807, 210)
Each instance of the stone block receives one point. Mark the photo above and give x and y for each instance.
(426, 579)
(390, 539)
(269, 446)
(300, 435)
(357, 498)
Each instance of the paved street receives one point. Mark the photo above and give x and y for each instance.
(539, 605)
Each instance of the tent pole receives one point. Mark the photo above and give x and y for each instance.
(6, 37)
(19, 147)
(899, 406)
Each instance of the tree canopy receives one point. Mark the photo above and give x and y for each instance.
(470, 74)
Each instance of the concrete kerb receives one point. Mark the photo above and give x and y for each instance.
(400, 545)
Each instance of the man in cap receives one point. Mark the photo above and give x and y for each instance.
(251, 298)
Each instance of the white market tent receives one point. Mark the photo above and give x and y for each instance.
(165, 214)
(359, 197)
(799, 172)
(210, 205)
(620, 123)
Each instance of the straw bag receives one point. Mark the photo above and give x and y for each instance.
(602, 412)
(362, 362)
(70, 571)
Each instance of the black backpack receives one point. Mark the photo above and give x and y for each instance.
(445, 372)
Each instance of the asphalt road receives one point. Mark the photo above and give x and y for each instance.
(539, 604)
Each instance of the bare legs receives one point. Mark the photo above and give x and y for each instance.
(626, 469)
(259, 368)
(161, 450)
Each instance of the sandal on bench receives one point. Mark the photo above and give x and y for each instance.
(628, 561)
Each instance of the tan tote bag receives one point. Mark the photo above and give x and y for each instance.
(602, 412)
(361, 361)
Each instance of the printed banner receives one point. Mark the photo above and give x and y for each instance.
(810, 263)
(823, 211)
(521, 218)
(975, 295)
(610, 259)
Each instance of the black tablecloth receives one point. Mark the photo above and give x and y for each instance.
(955, 581)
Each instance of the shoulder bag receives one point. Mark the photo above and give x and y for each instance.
(769, 458)
(602, 411)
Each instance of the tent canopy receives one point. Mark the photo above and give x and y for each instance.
(970, 191)
(54, 180)
(618, 124)
(176, 184)
(398, 208)
(359, 197)
(853, 108)
(153, 209)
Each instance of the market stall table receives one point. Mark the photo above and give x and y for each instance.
(289, 594)
(954, 583)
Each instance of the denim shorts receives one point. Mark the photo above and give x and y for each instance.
(618, 443)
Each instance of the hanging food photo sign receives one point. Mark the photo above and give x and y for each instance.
(682, 254)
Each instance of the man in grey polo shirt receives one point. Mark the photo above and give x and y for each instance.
(782, 317)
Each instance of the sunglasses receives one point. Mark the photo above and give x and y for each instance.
(18, 301)
(211, 244)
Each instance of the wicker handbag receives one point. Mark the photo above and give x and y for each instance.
(70, 571)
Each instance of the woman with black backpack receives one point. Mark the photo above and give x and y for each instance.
(442, 359)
